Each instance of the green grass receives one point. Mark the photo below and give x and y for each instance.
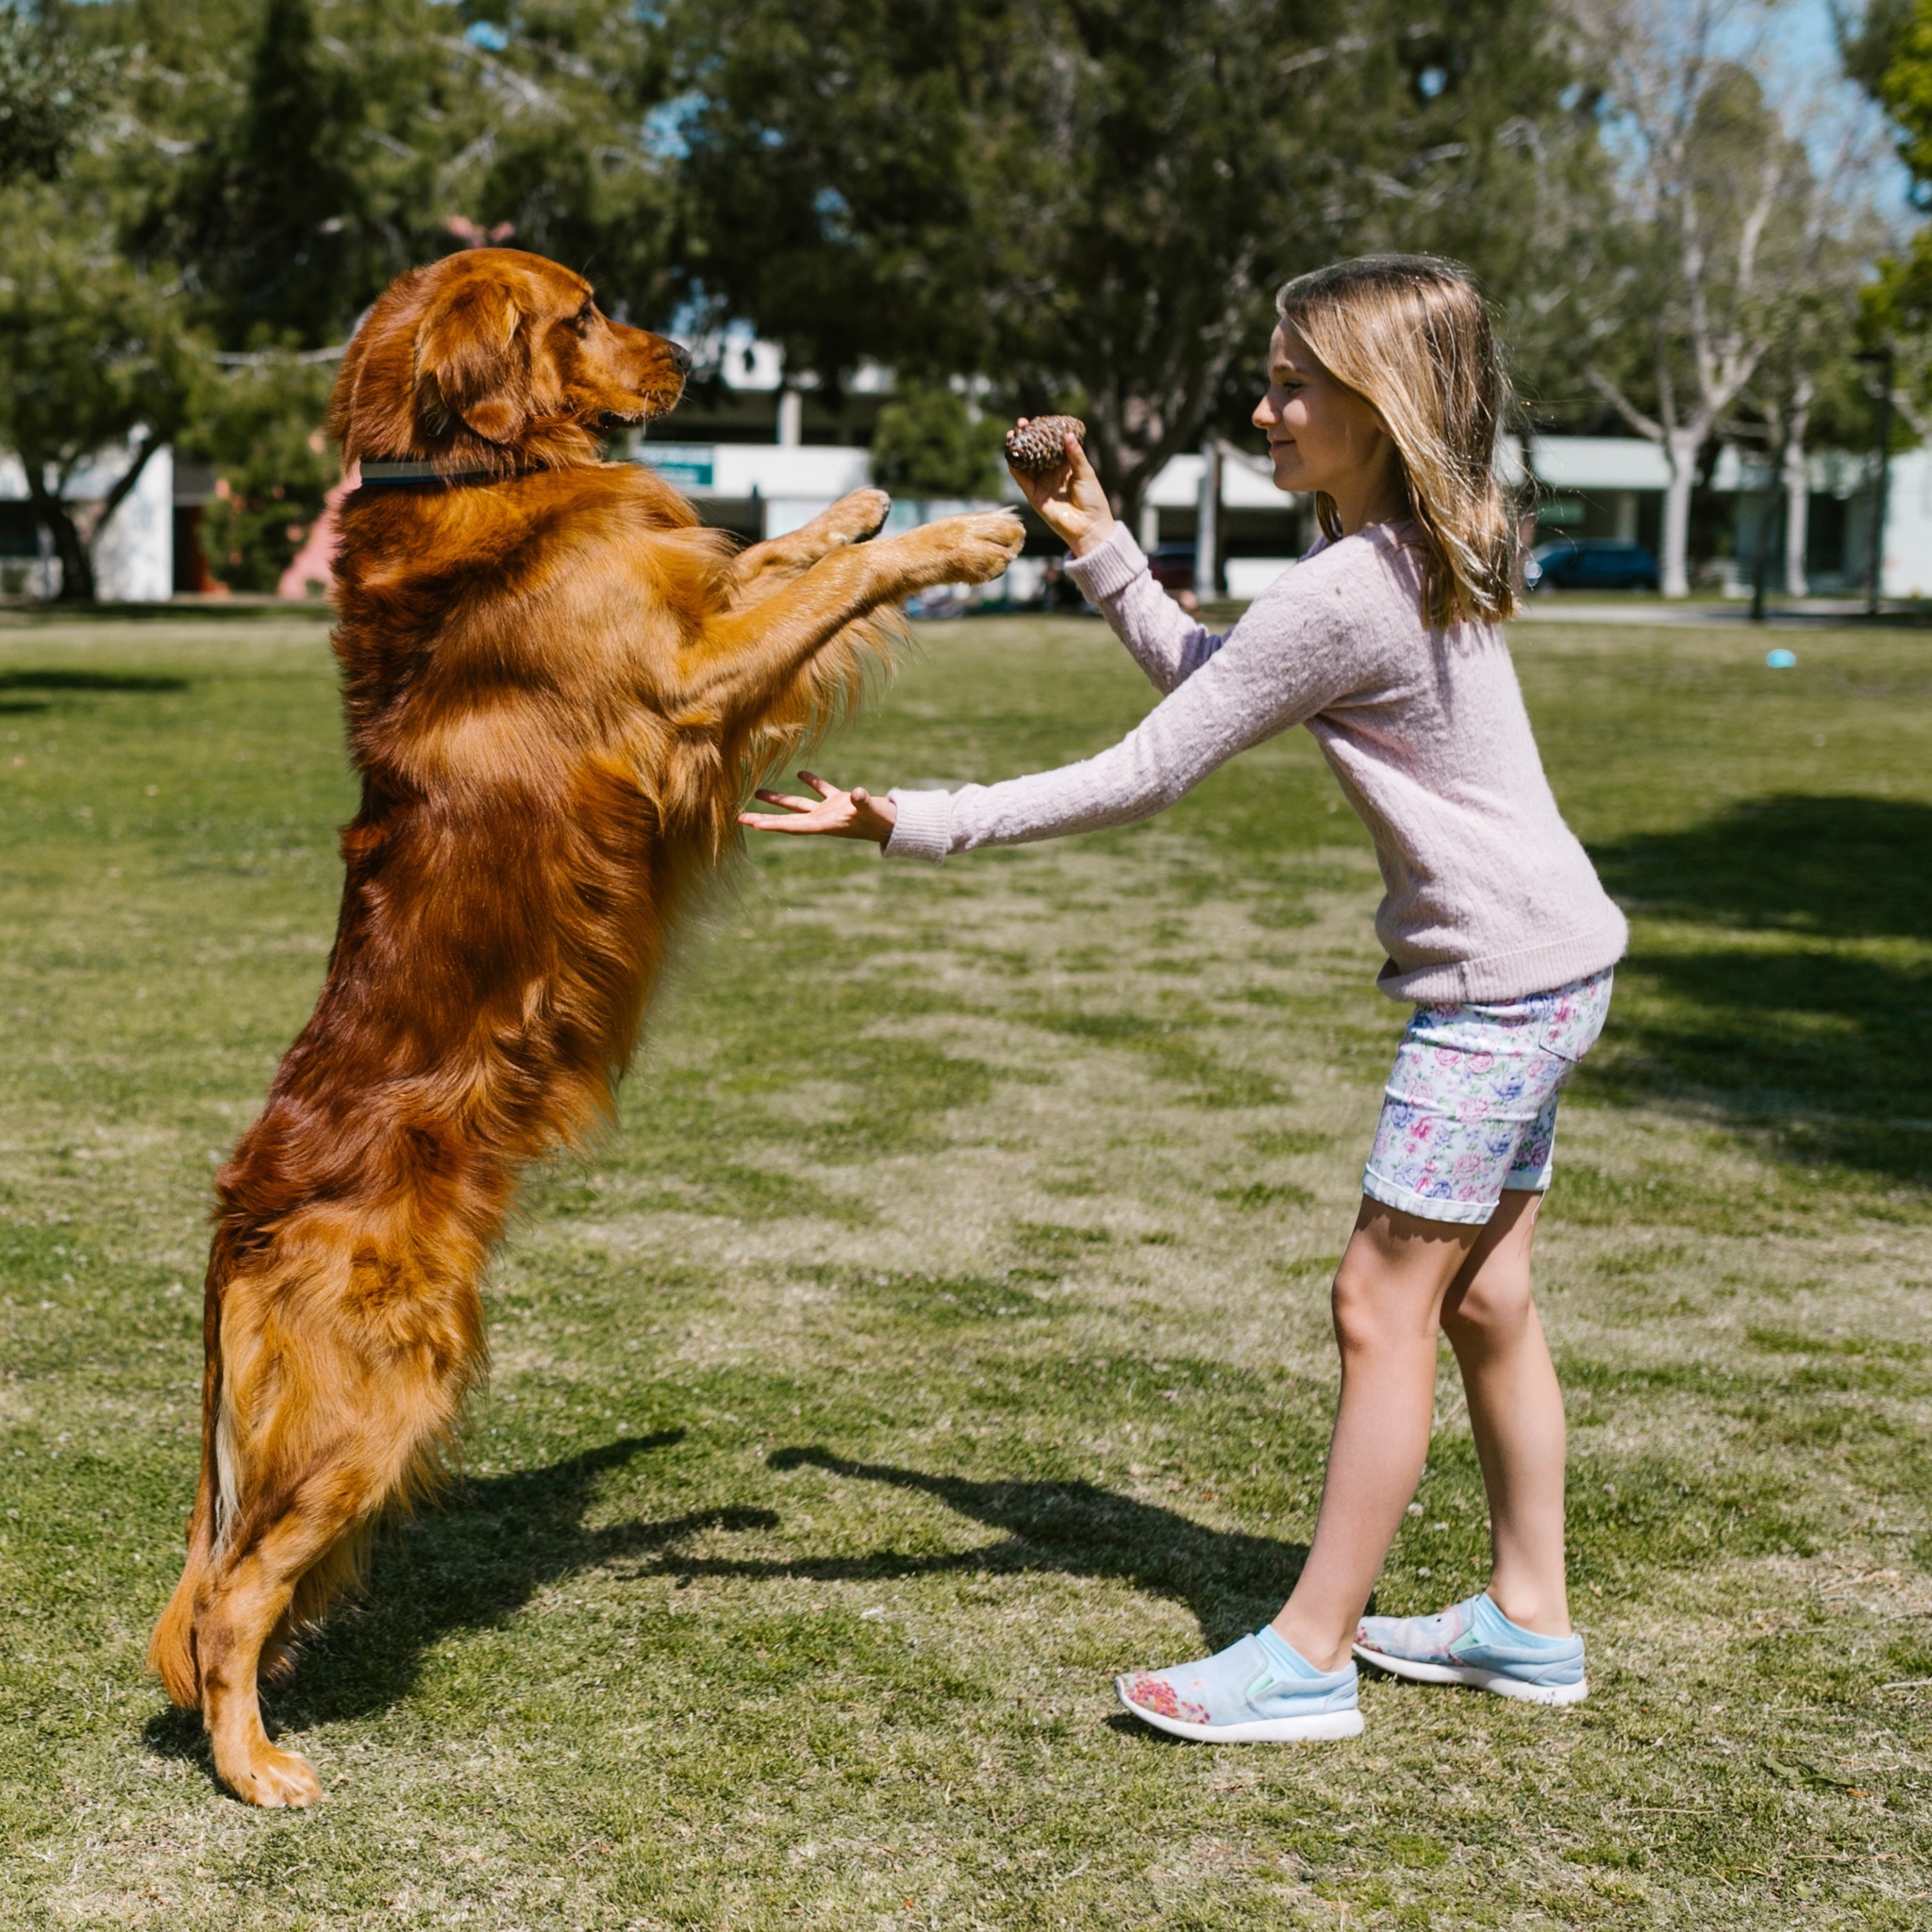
(944, 1329)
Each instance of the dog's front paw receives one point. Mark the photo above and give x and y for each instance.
(974, 549)
(859, 514)
(273, 1779)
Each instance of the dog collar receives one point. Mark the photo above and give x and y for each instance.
(381, 474)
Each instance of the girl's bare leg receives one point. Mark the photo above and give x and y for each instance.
(1516, 1414)
(1388, 1301)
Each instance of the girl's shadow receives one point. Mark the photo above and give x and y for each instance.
(1228, 1579)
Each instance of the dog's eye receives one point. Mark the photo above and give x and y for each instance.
(584, 317)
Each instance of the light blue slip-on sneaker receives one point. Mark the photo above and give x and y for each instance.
(1473, 1642)
(1242, 1695)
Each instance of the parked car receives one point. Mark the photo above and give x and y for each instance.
(1590, 564)
(1171, 566)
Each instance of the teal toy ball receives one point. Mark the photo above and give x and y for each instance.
(1780, 660)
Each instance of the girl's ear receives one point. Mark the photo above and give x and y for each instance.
(473, 362)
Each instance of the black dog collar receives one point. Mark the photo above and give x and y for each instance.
(382, 474)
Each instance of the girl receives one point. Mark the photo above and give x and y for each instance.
(1385, 398)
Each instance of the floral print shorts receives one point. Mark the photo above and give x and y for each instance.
(1470, 1106)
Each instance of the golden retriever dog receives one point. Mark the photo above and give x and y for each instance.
(560, 688)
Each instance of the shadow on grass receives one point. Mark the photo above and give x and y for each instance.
(1228, 1580)
(1808, 1036)
(54, 683)
(497, 1542)
(195, 611)
(1844, 867)
(502, 1539)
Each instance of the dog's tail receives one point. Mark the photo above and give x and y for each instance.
(170, 1653)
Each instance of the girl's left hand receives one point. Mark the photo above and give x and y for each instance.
(1069, 499)
(854, 814)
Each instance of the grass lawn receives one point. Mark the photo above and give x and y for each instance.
(944, 1330)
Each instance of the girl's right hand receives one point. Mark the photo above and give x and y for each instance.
(1070, 499)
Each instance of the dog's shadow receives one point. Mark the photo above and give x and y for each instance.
(497, 1541)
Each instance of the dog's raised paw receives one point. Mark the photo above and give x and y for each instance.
(859, 514)
(870, 509)
(977, 547)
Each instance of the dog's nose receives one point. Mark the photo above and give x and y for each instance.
(681, 356)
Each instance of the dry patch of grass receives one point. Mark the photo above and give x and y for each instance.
(944, 1331)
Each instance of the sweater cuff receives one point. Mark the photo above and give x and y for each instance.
(924, 827)
(1107, 569)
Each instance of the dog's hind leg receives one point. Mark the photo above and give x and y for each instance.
(289, 1557)
(244, 1604)
(322, 1428)
(171, 1650)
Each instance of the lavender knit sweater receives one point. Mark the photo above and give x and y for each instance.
(1489, 894)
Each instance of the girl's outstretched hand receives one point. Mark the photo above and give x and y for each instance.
(1070, 499)
(854, 814)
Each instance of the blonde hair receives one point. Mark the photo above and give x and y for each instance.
(1410, 335)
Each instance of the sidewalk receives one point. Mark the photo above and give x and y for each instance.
(1807, 613)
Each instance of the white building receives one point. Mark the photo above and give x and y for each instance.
(133, 552)
(1909, 525)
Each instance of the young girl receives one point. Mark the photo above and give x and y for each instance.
(1385, 396)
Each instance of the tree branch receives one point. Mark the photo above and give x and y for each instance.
(119, 494)
(1644, 425)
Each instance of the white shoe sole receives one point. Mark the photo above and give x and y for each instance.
(1497, 1683)
(1266, 1731)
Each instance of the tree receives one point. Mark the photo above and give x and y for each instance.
(288, 157)
(1890, 55)
(49, 91)
(273, 164)
(1806, 383)
(929, 443)
(258, 425)
(1088, 202)
(271, 214)
(93, 356)
(1717, 253)
(304, 169)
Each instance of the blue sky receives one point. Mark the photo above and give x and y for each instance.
(1803, 46)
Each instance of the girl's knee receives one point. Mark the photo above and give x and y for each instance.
(1497, 1302)
(1370, 1314)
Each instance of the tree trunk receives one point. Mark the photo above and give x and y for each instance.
(77, 566)
(1797, 482)
(1680, 454)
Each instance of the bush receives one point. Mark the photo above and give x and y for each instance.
(261, 427)
(928, 443)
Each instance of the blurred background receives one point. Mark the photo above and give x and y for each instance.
(886, 228)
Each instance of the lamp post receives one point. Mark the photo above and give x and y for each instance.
(1207, 525)
(1760, 563)
(1879, 359)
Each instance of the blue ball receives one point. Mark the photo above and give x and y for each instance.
(1780, 660)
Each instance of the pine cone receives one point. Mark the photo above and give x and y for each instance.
(1041, 446)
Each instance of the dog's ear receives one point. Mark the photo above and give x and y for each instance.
(473, 352)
